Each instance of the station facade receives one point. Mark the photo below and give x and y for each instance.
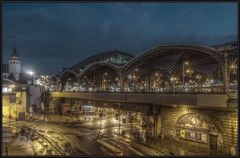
(167, 72)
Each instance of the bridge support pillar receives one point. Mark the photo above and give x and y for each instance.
(157, 126)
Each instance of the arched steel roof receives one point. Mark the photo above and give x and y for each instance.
(63, 74)
(90, 66)
(169, 58)
(171, 55)
(94, 58)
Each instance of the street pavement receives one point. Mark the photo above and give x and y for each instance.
(52, 136)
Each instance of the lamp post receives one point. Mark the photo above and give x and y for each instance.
(183, 74)
(31, 73)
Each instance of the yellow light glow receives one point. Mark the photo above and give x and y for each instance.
(12, 86)
(232, 66)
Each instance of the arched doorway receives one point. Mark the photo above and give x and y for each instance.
(198, 130)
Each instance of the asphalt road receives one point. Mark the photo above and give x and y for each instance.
(85, 139)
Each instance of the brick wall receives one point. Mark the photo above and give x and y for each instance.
(225, 121)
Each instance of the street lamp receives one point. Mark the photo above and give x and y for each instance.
(31, 73)
(183, 65)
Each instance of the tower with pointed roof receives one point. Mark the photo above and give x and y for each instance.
(14, 64)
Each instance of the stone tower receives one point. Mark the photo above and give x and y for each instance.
(15, 64)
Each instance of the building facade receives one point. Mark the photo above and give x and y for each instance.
(13, 69)
(185, 93)
(21, 85)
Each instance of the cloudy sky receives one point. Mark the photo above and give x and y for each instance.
(49, 36)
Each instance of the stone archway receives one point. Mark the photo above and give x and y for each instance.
(200, 130)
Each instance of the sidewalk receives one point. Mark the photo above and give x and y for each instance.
(172, 147)
(18, 147)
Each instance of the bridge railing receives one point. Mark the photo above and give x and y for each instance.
(86, 92)
(209, 89)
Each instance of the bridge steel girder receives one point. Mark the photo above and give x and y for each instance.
(159, 99)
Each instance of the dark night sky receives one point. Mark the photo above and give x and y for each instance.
(54, 35)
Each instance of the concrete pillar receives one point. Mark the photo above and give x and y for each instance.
(157, 126)
(156, 122)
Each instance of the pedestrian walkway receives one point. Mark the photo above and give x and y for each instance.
(19, 146)
(165, 145)
(169, 145)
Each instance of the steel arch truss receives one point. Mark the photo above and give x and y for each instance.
(171, 57)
